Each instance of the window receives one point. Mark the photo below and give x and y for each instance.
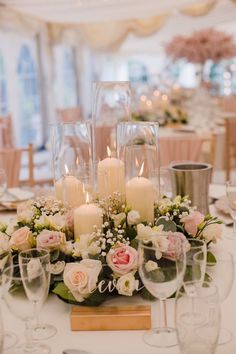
(29, 98)
(3, 88)
(66, 80)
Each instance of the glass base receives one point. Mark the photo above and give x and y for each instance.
(225, 336)
(9, 340)
(162, 337)
(43, 331)
(35, 348)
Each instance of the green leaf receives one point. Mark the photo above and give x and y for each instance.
(134, 243)
(54, 256)
(64, 293)
(168, 225)
(130, 232)
(211, 258)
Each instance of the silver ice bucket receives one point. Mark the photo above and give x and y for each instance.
(192, 179)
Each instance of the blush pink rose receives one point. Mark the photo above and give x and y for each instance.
(50, 239)
(177, 243)
(192, 221)
(21, 239)
(122, 259)
(212, 232)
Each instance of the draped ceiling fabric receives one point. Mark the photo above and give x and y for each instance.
(73, 20)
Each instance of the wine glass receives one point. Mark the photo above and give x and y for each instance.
(162, 277)
(42, 257)
(192, 271)
(9, 338)
(23, 296)
(3, 182)
(231, 196)
(197, 317)
(220, 271)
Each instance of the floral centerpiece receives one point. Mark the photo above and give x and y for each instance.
(104, 263)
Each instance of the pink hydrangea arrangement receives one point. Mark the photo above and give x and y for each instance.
(89, 269)
(201, 46)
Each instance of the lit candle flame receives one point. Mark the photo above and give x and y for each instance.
(141, 170)
(77, 161)
(66, 169)
(87, 198)
(108, 151)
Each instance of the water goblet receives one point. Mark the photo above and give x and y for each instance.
(197, 317)
(192, 268)
(231, 197)
(162, 277)
(220, 271)
(30, 257)
(9, 338)
(23, 296)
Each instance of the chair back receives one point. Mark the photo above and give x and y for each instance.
(180, 148)
(230, 145)
(70, 115)
(11, 162)
(6, 132)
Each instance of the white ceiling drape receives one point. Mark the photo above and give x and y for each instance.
(104, 24)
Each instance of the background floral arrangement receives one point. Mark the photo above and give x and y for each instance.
(102, 264)
(171, 115)
(201, 46)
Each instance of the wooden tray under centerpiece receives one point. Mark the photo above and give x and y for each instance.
(110, 318)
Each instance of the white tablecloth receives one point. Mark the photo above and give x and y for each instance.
(119, 342)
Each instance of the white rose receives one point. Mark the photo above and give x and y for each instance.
(118, 218)
(85, 246)
(34, 269)
(150, 265)
(57, 221)
(4, 243)
(212, 232)
(67, 247)
(25, 212)
(12, 226)
(133, 217)
(126, 284)
(81, 278)
(161, 244)
(146, 232)
(42, 222)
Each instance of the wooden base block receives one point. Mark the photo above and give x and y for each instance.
(110, 318)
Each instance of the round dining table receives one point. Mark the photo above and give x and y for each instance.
(57, 313)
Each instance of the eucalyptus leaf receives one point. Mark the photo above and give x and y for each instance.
(168, 225)
(211, 258)
(54, 256)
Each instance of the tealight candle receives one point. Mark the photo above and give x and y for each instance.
(110, 176)
(86, 217)
(69, 189)
(140, 197)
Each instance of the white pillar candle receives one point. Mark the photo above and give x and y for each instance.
(70, 190)
(85, 218)
(110, 177)
(140, 197)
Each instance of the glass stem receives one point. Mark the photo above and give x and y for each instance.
(163, 315)
(28, 334)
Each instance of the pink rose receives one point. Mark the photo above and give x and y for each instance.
(21, 239)
(122, 259)
(50, 239)
(192, 221)
(177, 243)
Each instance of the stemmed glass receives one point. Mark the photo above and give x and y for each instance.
(197, 317)
(220, 271)
(231, 196)
(162, 277)
(3, 182)
(41, 257)
(192, 269)
(23, 296)
(10, 338)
